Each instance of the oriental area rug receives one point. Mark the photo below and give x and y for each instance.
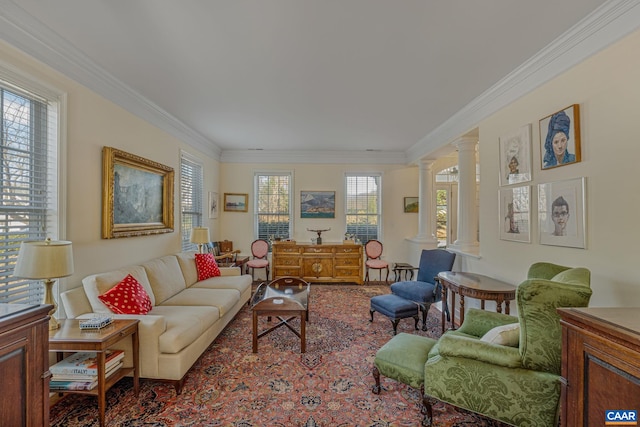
(328, 386)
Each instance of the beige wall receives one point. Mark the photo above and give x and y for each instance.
(608, 90)
(397, 182)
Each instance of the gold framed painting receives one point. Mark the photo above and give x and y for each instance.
(236, 202)
(137, 195)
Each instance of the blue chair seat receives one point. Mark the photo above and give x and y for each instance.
(395, 308)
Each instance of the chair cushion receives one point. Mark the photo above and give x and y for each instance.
(508, 335)
(258, 263)
(394, 306)
(403, 357)
(421, 292)
(377, 263)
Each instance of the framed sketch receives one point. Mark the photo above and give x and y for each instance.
(411, 204)
(560, 138)
(213, 205)
(561, 213)
(317, 204)
(236, 202)
(515, 156)
(515, 214)
(137, 195)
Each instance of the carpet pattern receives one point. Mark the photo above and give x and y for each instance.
(328, 386)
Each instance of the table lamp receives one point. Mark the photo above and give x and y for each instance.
(200, 236)
(45, 260)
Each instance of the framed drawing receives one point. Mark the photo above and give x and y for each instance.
(560, 138)
(213, 205)
(411, 205)
(561, 213)
(236, 202)
(317, 204)
(515, 214)
(515, 156)
(137, 195)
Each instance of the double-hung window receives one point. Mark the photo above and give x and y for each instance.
(29, 178)
(363, 195)
(273, 204)
(191, 198)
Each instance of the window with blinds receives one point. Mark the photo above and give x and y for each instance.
(273, 197)
(191, 196)
(362, 206)
(28, 182)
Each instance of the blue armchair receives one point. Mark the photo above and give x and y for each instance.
(424, 291)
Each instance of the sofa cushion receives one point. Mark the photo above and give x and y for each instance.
(165, 277)
(223, 299)
(207, 266)
(127, 297)
(98, 284)
(184, 326)
(187, 261)
(240, 283)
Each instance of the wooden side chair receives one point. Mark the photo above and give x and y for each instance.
(259, 251)
(373, 251)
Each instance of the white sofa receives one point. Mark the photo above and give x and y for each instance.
(186, 317)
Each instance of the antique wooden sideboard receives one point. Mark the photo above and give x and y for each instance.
(600, 362)
(326, 262)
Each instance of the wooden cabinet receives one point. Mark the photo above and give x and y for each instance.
(24, 364)
(327, 262)
(600, 362)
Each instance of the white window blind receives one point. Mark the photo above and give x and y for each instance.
(191, 196)
(362, 205)
(28, 183)
(273, 206)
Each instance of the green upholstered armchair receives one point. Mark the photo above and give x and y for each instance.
(517, 384)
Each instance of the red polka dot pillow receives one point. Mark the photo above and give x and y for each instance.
(127, 297)
(207, 266)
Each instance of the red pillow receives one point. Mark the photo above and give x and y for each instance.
(207, 266)
(127, 297)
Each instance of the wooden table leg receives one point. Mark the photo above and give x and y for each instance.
(461, 311)
(136, 362)
(255, 331)
(102, 390)
(444, 303)
(303, 332)
(506, 307)
(499, 306)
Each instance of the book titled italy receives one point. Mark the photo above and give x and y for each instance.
(85, 363)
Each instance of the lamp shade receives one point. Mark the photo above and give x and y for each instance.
(200, 235)
(45, 259)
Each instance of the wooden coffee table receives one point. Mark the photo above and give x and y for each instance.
(474, 286)
(70, 338)
(286, 296)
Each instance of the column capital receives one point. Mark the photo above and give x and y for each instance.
(465, 143)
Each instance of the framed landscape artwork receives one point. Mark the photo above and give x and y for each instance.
(236, 202)
(411, 204)
(515, 214)
(561, 213)
(317, 204)
(515, 156)
(560, 138)
(137, 195)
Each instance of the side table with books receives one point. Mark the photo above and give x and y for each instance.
(91, 366)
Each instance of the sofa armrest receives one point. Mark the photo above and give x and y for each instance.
(230, 271)
(478, 322)
(470, 348)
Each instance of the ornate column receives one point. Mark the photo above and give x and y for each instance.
(467, 210)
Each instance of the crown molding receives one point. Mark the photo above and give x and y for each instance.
(610, 22)
(315, 157)
(24, 32)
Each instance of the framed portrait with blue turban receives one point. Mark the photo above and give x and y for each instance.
(560, 138)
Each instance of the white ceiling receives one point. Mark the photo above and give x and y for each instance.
(302, 76)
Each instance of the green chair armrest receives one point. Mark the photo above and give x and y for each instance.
(471, 348)
(478, 322)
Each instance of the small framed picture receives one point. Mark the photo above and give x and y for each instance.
(515, 156)
(561, 213)
(515, 214)
(236, 202)
(411, 205)
(560, 138)
(213, 205)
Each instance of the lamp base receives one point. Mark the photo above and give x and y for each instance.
(48, 299)
(53, 323)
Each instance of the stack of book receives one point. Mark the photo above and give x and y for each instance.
(80, 370)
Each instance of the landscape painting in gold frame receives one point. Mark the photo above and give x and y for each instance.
(137, 195)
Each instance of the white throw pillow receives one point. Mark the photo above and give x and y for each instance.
(508, 335)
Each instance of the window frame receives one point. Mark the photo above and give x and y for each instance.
(256, 204)
(379, 215)
(197, 196)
